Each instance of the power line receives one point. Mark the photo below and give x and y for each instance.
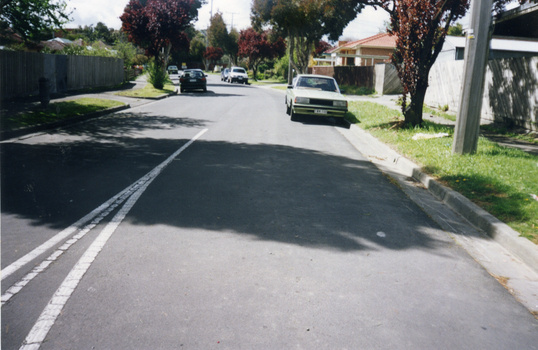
(233, 13)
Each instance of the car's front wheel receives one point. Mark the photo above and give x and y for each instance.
(293, 115)
(288, 109)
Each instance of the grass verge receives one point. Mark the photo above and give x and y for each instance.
(498, 179)
(57, 111)
(355, 90)
(268, 81)
(148, 91)
(501, 130)
(439, 113)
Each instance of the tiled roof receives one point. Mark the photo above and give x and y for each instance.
(382, 40)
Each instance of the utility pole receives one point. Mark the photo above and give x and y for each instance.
(211, 11)
(232, 13)
(476, 58)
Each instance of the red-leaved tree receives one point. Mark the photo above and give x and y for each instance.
(159, 24)
(320, 47)
(213, 54)
(257, 48)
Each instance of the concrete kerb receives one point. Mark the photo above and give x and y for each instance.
(478, 217)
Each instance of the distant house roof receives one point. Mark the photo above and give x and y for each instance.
(383, 40)
(57, 44)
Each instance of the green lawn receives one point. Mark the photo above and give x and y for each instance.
(498, 179)
(57, 111)
(148, 91)
(355, 90)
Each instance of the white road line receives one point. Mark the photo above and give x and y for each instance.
(17, 287)
(77, 225)
(53, 309)
(59, 237)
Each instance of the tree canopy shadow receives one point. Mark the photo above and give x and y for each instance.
(268, 192)
(512, 91)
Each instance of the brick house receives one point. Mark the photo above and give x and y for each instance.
(364, 52)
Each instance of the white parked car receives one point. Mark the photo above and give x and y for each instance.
(238, 74)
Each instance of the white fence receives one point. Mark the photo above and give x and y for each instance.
(510, 90)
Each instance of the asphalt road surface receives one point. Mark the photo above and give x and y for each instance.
(211, 221)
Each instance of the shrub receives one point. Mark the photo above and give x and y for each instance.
(157, 76)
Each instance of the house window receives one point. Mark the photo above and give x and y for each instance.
(351, 61)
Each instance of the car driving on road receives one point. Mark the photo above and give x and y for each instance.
(193, 79)
(238, 74)
(315, 95)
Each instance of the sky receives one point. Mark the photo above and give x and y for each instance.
(236, 12)
(86, 12)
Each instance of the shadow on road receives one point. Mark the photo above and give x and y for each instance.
(269, 192)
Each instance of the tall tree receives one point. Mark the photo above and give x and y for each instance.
(160, 25)
(304, 22)
(197, 47)
(218, 36)
(217, 33)
(232, 45)
(257, 48)
(102, 32)
(32, 19)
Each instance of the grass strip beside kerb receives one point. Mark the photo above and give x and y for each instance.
(57, 111)
(439, 113)
(356, 90)
(148, 91)
(498, 179)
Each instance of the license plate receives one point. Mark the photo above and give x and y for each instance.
(193, 80)
(240, 78)
(320, 111)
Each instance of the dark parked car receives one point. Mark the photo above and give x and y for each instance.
(224, 74)
(193, 79)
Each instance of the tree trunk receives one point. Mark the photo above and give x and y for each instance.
(413, 111)
(166, 56)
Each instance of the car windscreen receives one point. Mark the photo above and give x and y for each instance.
(192, 74)
(238, 70)
(322, 84)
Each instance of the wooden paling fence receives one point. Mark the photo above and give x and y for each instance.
(20, 72)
